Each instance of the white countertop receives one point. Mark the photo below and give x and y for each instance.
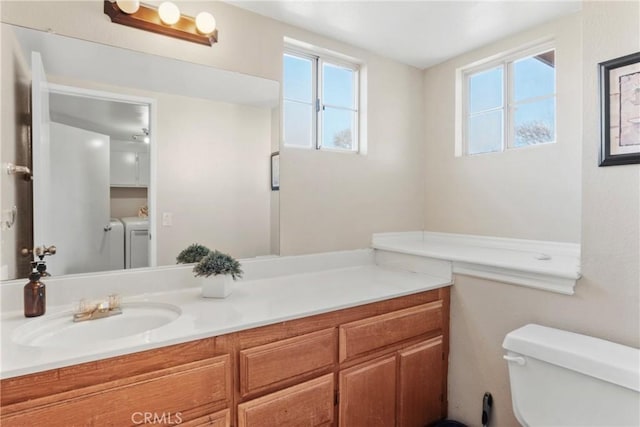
(253, 303)
(551, 266)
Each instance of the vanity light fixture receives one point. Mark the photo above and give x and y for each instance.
(128, 6)
(169, 13)
(166, 20)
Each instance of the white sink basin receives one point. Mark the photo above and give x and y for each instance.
(60, 330)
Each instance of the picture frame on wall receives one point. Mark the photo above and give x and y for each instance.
(275, 171)
(620, 110)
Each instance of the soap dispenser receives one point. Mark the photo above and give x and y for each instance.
(34, 295)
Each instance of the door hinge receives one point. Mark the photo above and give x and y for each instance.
(337, 398)
(317, 105)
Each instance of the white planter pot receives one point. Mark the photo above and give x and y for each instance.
(219, 286)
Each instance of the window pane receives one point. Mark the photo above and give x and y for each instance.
(338, 129)
(534, 76)
(297, 78)
(535, 123)
(297, 124)
(338, 86)
(485, 90)
(485, 132)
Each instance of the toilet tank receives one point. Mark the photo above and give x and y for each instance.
(560, 378)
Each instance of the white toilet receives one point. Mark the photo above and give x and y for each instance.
(560, 378)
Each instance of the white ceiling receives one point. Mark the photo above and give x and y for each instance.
(419, 33)
(119, 120)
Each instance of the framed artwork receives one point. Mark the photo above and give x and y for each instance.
(620, 110)
(275, 171)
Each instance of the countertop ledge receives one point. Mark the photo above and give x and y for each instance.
(253, 303)
(549, 266)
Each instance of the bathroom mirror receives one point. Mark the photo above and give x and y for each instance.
(188, 144)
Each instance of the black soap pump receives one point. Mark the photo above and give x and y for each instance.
(35, 293)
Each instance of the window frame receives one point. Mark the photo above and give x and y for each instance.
(506, 62)
(317, 83)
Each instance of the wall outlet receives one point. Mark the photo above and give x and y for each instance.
(167, 219)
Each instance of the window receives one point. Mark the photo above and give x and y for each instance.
(320, 105)
(509, 102)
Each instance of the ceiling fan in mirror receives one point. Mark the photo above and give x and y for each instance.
(142, 137)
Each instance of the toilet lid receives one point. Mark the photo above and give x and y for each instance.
(606, 360)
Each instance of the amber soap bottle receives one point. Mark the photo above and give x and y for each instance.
(34, 296)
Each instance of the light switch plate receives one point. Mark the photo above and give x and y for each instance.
(167, 219)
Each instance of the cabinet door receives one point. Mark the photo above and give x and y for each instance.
(123, 168)
(308, 404)
(368, 394)
(143, 169)
(420, 383)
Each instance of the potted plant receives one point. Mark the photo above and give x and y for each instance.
(193, 253)
(218, 271)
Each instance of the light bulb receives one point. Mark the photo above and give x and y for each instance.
(205, 23)
(128, 6)
(169, 13)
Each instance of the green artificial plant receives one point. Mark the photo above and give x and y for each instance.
(193, 253)
(216, 263)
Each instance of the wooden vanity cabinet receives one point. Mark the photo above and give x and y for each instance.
(403, 385)
(182, 384)
(286, 361)
(402, 389)
(368, 394)
(421, 383)
(384, 363)
(379, 364)
(310, 403)
(219, 419)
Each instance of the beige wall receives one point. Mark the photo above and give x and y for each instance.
(557, 193)
(336, 201)
(529, 193)
(214, 177)
(127, 201)
(327, 201)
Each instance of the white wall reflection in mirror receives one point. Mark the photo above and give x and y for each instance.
(187, 144)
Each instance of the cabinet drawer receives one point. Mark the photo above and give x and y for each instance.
(307, 404)
(219, 419)
(367, 335)
(186, 392)
(285, 361)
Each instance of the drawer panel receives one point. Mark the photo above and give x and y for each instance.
(367, 335)
(287, 360)
(219, 419)
(308, 404)
(185, 391)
